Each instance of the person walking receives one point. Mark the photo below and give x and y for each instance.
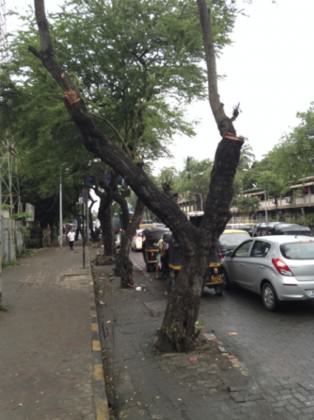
(71, 238)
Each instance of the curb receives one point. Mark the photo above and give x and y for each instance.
(98, 378)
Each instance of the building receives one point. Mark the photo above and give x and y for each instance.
(297, 203)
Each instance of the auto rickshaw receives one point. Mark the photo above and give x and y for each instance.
(151, 238)
(214, 278)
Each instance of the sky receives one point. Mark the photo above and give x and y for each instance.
(268, 69)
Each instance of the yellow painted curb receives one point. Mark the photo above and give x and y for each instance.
(98, 372)
(101, 410)
(96, 345)
(94, 327)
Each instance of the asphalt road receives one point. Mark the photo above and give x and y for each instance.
(277, 348)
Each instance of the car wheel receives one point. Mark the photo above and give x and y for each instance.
(269, 297)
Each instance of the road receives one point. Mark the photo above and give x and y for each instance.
(276, 348)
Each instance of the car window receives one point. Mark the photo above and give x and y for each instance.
(298, 250)
(233, 239)
(260, 249)
(243, 250)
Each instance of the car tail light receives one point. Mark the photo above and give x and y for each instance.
(281, 267)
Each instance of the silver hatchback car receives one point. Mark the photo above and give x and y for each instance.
(276, 267)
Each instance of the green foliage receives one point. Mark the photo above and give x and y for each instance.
(192, 182)
(292, 158)
(167, 176)
(194, 178)
(247, 205)
(138, 74)
(34, 119)
(136, 62)
(21, 215)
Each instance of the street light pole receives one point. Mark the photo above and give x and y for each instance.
(60, 211)
(1, 243)
(266, 209)
(201, 200)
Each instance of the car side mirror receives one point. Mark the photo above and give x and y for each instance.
(229, 253)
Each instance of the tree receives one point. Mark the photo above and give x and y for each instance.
(178, 328)
(293, 157)
(193, 179)
(247, 205)
(44, 147)
(126, 93)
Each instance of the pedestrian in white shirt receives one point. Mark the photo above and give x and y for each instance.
(71, 238)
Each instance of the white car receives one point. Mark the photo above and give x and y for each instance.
(137, 240)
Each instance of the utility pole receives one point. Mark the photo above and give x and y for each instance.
(85, 220)
(1, 241)
(83, 233)
(11, 235)
(60, 211)
(3, 52)
(266, 205)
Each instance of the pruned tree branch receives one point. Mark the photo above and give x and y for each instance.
(227, 156)
(216, 105)
(223, 122)
(235, 113)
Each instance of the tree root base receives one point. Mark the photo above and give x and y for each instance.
(175, 343)
(104, 260)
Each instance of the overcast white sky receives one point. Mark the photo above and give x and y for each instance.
(269, 69)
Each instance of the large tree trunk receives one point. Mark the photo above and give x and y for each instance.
(124, 264)
(105, 218)
(178, 331)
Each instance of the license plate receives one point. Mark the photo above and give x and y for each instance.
(215, 279)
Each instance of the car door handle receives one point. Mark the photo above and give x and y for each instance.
(261, 267)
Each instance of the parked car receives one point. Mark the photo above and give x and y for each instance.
(281, 228)
(249, 227)
(230, 239)
(137, 240)
(279, 268)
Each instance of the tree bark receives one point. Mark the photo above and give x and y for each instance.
(178, 331)
(105, 218)
(124, 264)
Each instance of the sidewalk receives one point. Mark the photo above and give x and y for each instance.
(209, 383)
(46, 360)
